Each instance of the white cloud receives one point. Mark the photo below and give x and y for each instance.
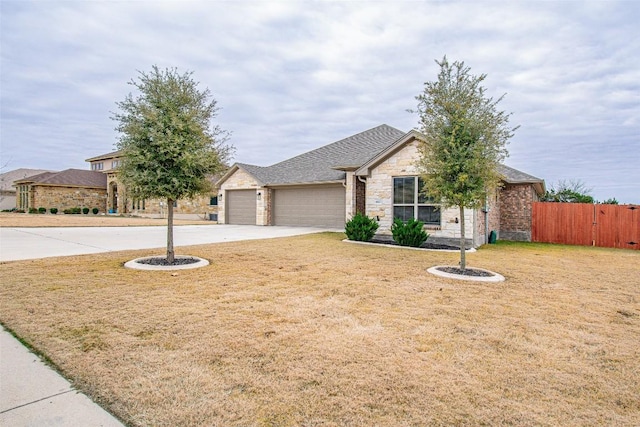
(291, 76)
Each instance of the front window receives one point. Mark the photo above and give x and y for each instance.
(410, 203)
(213, 201)
(97, 166)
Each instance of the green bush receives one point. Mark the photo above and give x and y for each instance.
(53, 210)
(409, 233)
(361, 228)
(33, 210)
(42, 210)
(85, 210)
(95, 211)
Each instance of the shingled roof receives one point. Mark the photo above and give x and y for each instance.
(68, 178)
(327, 163)
(111, 155)
(8, 178)
(359, 152)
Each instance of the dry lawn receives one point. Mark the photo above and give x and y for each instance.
(312, 331)
(8, 219)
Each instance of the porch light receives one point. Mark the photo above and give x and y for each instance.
(259, 195)
(220, 196)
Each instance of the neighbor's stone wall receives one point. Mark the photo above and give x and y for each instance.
(379, 198)
(196, 208)
(67, 197)
(516, 205)
(241, 180)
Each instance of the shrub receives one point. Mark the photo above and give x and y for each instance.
(95, 211)
(409, 233)
(42, 210)
(33, 210)
(53, 210)
(19, 211)
(361, 228)
(85, 210)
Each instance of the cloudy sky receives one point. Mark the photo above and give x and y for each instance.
(292, 76)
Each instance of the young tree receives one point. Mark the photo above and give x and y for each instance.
(170, 147)
(568, 192)
(464, 140)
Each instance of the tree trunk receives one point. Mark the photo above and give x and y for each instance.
(463, 249)
(170, 253)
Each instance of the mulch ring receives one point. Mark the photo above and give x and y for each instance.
(163, 261)
(466, 272)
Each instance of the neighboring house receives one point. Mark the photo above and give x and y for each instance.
(117, 201)
(375, 173)
(71, 188)
(7, 189)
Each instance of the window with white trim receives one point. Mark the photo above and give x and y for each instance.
(97, 166)
(410, 203)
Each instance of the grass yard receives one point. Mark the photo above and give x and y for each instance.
(312, 331)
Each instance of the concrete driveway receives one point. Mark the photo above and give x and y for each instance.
(33, 243)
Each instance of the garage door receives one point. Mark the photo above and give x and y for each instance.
(241, 207)
(315, 206)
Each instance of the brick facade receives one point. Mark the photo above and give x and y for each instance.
(516, 204)
(493, 215)
(361, 194)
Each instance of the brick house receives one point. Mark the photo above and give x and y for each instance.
(373, 172)
(71, 188)
(117, 201)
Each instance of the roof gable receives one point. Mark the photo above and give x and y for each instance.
(327, 163)
(112, 155)
(509, 174)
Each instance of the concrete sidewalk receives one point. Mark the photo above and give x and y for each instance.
(33, 394)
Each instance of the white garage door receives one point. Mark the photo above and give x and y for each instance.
(312, 206)
(241, 207)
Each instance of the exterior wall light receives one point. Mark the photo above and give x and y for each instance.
(259, 195)
(220, 196)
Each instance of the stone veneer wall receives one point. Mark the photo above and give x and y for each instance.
(516, 204)
(241, 180)
(195, 208)
(379, 198)
(68, 197)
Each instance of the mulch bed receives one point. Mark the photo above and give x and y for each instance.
(425, 245)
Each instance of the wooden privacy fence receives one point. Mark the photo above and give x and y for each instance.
(609, 226)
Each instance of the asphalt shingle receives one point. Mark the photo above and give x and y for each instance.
(318, 165)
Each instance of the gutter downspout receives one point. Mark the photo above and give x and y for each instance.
(486, 219)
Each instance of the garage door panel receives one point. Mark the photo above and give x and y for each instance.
(241, 207)
(319, 206)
